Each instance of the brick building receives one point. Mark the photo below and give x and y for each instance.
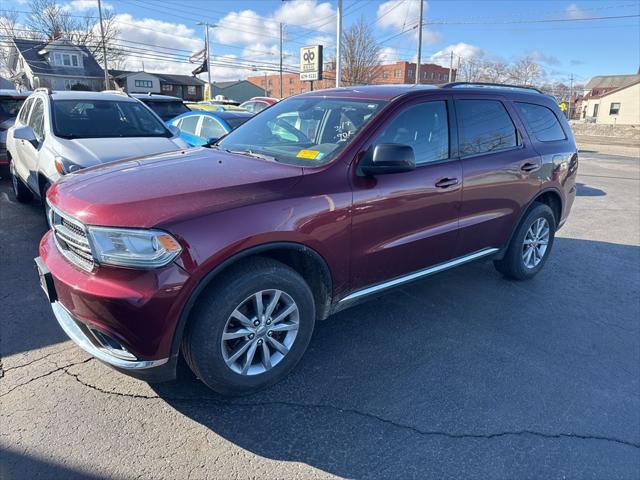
(399, 72)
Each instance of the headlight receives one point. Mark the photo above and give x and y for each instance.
(133, 248)
(64, 165)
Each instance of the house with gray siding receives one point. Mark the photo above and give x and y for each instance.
(56, 64)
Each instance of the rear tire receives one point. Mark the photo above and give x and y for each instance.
(530, 246)
(224, 319)
(20, 190)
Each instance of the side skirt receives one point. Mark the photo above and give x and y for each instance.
(358, 295)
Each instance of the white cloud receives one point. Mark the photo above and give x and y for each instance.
(246, 27)
(307, 13)
(575, 12)
(389, 55)
(461, 50)
(161, 34)
(84, 5)
(538, 56)
(402, 15)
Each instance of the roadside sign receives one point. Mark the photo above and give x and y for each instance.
(311, 63)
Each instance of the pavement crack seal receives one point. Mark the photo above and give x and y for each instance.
(51, 372)
(370, 416)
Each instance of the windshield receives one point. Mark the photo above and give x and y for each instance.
(307, 131)
(104, 119)
(235, 122)
(9, 107)
(167, 110)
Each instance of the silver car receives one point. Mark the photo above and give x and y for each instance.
(57, 133)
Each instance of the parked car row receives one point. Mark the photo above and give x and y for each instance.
(228, 255)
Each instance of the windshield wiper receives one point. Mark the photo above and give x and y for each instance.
(251, 153)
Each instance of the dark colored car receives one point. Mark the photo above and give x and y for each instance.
(10, 103)
(231, 254)
(200, 128)
(165, 106)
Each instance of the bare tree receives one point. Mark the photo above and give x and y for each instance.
(49, 20)
(8, 30)
(494, 72)
(361, 54)
(525, 71)
(469, 70)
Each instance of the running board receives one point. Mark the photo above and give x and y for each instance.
(416, 275)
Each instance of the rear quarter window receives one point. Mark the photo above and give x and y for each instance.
(541, 121)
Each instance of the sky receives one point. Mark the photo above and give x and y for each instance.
(559, 34)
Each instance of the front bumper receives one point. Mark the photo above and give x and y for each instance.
(123, 317)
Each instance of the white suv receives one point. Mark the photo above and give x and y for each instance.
(57, 133)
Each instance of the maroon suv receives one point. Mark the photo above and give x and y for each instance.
(230, 254)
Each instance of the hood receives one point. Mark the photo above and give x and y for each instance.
(88, 152)
(157, 190)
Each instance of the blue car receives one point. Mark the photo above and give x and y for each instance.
(200, 127)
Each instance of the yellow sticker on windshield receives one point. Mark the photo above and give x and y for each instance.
(308, 154)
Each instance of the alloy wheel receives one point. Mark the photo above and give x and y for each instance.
(260, 332)
(535, 243)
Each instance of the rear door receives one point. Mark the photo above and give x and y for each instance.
(405, 222)
(500, 168)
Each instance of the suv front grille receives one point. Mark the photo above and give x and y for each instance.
(71, 239)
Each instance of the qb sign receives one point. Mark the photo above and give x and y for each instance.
(311, 63)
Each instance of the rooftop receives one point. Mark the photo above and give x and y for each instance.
(29, 49)
(611, 81)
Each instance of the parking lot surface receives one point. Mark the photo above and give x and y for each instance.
(464, 375)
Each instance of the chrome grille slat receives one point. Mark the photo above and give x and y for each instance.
(71, 239)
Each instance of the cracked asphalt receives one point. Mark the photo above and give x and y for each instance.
(464, 375)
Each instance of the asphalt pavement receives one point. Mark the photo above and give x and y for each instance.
(463, 375)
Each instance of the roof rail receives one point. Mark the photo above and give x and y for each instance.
(490, 85)
(117, 92)
(46, 90)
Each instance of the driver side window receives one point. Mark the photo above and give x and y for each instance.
(424, 127)
(36, 121)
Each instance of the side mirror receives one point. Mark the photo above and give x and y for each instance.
(25, 132)
(175, 131)
(388, 158)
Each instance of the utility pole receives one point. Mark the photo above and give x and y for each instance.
(570, 97)
(419, 58)
(104, 48)
(338, 41)
(206, 41)
(451, 67)
(281, 59)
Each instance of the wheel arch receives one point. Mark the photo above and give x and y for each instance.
(301, 258)
(548, 196)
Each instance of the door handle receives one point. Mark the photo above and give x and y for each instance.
(529, 167)
(446, 182)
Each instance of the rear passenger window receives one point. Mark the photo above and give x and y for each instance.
(189, 124)
(484, 126)
(541, 121)
(425, 128)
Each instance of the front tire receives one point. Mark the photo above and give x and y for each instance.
(20, 190)
(530, 246)
(251, 328)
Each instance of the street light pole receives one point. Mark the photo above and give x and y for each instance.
(280, 59)
(418, 60)
(338, 41)
(104, 48)
(206, 41)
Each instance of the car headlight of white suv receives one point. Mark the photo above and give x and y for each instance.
(64, 165)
